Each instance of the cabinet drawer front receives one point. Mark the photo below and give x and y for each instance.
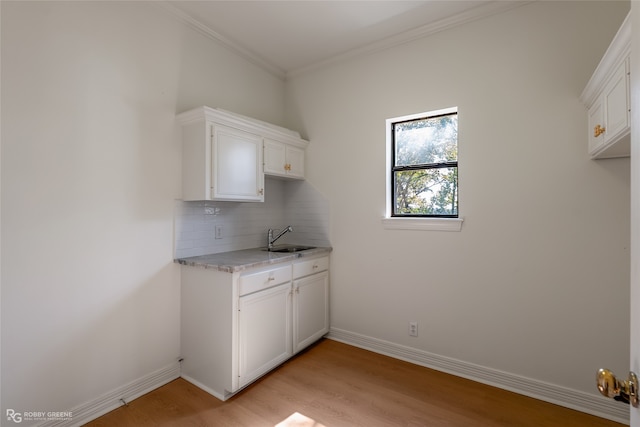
(252, 282)
(305, 268)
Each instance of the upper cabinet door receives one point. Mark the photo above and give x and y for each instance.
(616, 101)
(236, 159)
(283, 160)
(609, 127)
(295, 159)
(275, 158)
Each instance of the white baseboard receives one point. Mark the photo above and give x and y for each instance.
(108, 402)
(562, 396)
(205, 388)
(569, 398)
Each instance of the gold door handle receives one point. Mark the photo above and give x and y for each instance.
(622, 391)
(287, 167)
(598, 130)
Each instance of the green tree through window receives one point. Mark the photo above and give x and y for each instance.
(425, 165)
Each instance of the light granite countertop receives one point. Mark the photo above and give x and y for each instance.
(234, 261)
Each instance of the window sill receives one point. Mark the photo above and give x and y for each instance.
(426, 224)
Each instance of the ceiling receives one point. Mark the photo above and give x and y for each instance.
(289, 37)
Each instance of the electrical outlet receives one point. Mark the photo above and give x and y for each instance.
(413, 329)
(218, 232)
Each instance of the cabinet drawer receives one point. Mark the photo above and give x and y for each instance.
(305, 268)
(252, 282)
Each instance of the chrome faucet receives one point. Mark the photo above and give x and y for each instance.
(271, 239)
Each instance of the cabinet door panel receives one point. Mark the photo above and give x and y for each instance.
(311, 309)
(264, 322)
(615, 100)
(274, 158)
(283, 160)
(295, 159)
(237, 160)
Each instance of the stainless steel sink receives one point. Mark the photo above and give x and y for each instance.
(290, 248)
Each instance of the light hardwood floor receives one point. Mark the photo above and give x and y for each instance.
(334, 385)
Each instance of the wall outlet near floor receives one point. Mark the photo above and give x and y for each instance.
(413, 329)
(218, 232)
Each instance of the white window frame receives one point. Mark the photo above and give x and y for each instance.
(403, 223)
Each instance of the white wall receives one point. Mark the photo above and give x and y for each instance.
(537, 282)
(90, 170)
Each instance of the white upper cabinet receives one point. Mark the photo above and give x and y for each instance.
(222, 155)
(283, 160)
(236, 160)
(607, 99)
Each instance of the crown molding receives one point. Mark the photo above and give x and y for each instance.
(478, 12)
(238, 121)
(226, 42)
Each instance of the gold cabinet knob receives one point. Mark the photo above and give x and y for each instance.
(622, 391)
(598, 130)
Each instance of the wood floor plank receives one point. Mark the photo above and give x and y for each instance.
(337, 385)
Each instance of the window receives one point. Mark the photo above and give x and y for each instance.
(422, 165)
(425, 165)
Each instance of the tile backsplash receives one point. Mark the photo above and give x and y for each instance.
(244, 225)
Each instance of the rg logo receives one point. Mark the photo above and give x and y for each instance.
(14, 416)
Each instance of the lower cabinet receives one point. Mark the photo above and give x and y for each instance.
(264, 331)
(310, 304)
(235, 327)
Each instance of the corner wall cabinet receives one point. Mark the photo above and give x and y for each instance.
(607, 98)
(235, 327)
(222, 155)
